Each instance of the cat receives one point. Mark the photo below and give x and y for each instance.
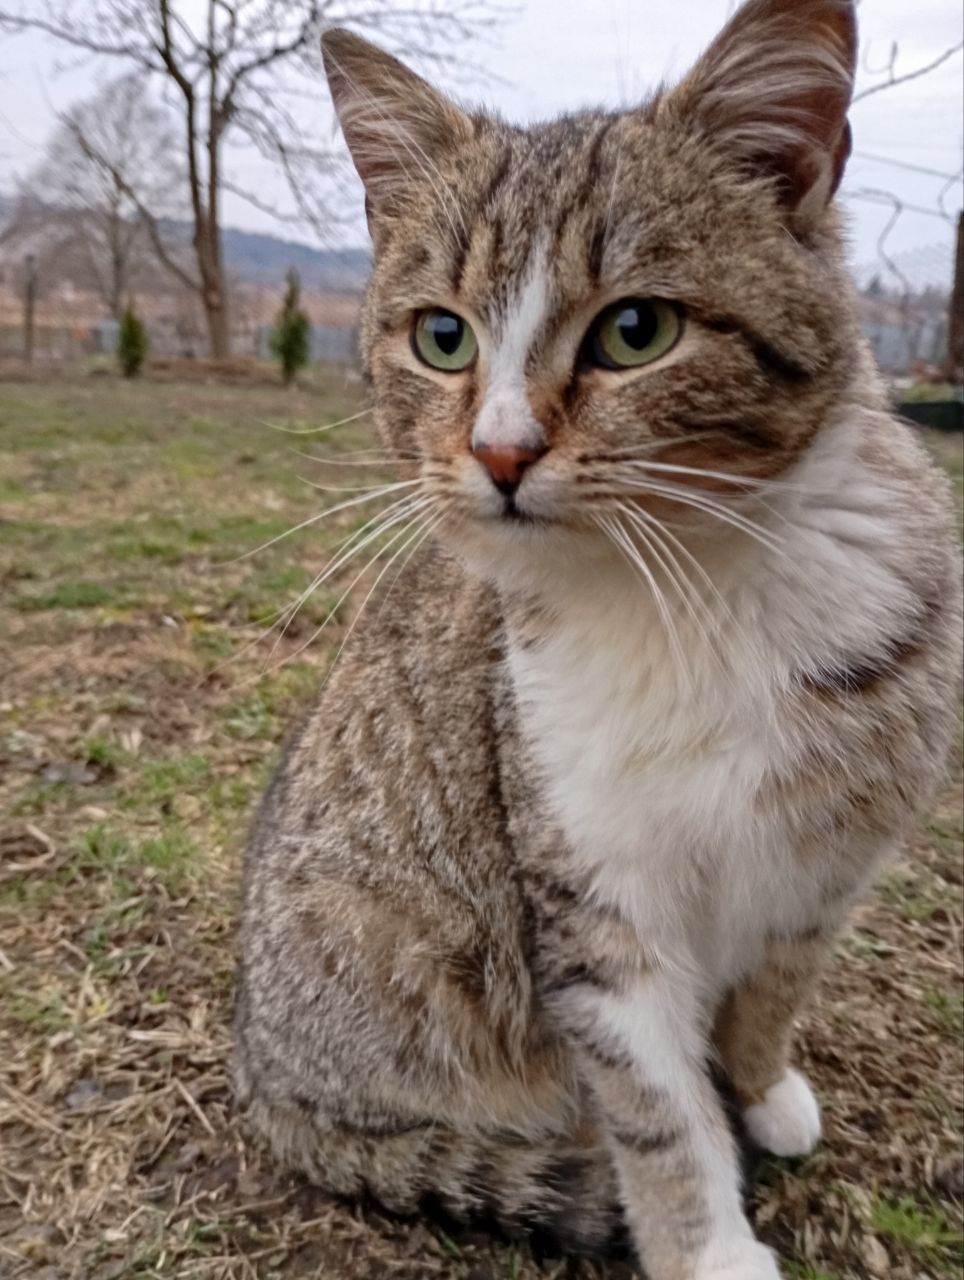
(667, 671)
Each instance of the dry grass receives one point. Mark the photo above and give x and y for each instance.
(129, 756)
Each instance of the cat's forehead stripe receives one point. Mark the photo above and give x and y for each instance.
(520, 315)
(505, 418)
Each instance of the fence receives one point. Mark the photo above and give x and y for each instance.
(51, 343)
(898, 346)
(328, 343)
(60, 344)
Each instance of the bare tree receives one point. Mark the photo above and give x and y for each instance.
(246, 69)
(110, 156)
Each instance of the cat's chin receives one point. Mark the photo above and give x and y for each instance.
(489, 541)
(526, 552)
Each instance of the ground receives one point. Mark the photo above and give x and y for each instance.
(137, 726)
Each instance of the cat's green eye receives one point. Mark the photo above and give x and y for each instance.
(632, 332)
(444, 341)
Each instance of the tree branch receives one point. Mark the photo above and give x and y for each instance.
(147, 217)
(262, 206)
(275, 54)
(893, 80)
(166, 51)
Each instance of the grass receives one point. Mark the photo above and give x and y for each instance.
(926, 392)
(138, 726)
(922, 1229)
(946, 1009)
(69, 595)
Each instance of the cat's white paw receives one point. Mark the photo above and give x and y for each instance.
(742, 1260)
(787, 1121)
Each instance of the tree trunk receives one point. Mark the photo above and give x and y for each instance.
(117, 263)
(212, 292)
(216, 315)
(955, 348)
(204, 207)
(217, 308)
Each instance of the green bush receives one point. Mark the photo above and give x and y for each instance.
(132, 343)
(290, 339)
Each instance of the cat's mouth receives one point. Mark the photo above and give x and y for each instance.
(535, 503)
(514, 514)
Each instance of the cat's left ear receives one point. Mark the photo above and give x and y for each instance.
(400, 131)
(774, 89)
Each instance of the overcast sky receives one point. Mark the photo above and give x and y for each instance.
(562, 54)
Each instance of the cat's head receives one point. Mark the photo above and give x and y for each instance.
(578, 317)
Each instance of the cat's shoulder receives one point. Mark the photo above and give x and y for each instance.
(424, 643)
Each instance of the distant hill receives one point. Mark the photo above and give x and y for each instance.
(264, 259)
(260, 259)
(256, 258)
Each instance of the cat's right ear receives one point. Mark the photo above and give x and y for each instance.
(398, 128)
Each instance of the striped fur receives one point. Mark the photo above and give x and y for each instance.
(589, 794)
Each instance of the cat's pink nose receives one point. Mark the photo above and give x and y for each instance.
(506, 463)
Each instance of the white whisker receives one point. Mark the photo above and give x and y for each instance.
(352, 488)
(384, 461)
(700, 501)
(285, 615)
(402, 567)
(628, 452)
(423, 531)
(313, 431)
(618, 535)
(360, 538)
(771, 541)
(401, 510)
(686, 590)
(348, 590)
(711, 587)
(744, 482)
(381, 492)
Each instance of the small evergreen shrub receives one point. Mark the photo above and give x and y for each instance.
(132, 343)
(290, 339)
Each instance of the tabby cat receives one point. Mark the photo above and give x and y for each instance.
(666, 670)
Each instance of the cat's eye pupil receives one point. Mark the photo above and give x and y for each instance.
(444, 341)
(632, 333)
(446, 330)
(637, 326)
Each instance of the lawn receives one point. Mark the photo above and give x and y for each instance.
(142, 700)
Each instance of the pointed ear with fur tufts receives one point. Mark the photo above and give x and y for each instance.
(398, 128)
(774, 89)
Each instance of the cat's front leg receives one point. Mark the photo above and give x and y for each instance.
(753, 1036)
(642, 1052)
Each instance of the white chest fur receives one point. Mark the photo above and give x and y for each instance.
(654, 768)
(654, 781)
